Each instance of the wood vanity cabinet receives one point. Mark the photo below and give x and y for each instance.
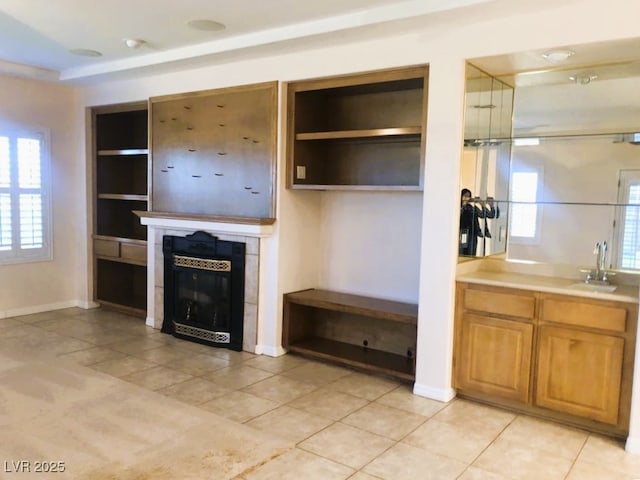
(562, 357)
(494, 342)
(585, 357)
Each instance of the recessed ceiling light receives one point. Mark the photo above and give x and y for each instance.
(134, 42)
(206, 25)
(557, 56)
(85, 52)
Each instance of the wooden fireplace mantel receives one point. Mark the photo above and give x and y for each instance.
(250, 227)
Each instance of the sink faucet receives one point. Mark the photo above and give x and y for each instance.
(600, 274)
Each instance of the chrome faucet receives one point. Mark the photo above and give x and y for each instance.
(600, 275)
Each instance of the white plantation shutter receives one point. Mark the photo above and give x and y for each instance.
(630, 254)
(24, 199)
(5, 196)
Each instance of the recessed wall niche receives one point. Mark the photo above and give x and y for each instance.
(213, 152)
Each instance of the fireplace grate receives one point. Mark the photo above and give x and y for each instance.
(218, 337)
(202, 263)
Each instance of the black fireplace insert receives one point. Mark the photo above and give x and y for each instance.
(204, 289)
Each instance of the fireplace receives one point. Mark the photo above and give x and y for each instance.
(204, 280)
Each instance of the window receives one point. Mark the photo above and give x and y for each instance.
(525, 216)
(24, 197)
(628, 219)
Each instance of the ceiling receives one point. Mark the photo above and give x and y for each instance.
(36, 36)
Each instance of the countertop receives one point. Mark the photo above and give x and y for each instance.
(565, 286)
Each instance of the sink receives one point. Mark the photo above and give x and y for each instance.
(591, 287)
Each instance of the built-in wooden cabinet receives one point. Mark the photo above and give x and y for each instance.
(495, 356)
(371, 334)
(358, 132)
(121, 170)
(580, 373)
(563, 357)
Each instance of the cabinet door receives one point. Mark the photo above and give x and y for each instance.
(579, 373)
(494, 357)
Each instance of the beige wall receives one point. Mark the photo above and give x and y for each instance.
(30, 287)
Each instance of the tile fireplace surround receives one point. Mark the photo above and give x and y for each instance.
(252, 235)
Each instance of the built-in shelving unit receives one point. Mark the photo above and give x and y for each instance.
(121, 171)
(367, 333)
(358, 132)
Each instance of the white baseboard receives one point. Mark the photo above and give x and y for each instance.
(270, 351)
(150, 322)
(440, 394)
(632, 445)
(17, 312)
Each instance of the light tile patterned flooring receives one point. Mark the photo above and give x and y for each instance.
(344, 424)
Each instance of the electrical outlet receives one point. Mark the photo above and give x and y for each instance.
(301, 172)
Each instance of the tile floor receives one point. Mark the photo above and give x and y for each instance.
(344, 424)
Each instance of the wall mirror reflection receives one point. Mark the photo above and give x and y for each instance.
(484, 176)
(574, 170)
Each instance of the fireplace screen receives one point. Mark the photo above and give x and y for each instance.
(204, 289)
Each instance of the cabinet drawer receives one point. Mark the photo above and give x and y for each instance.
(568, 312)
(508, 304)
(130, 251)
(106, 248)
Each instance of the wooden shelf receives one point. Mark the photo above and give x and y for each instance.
(140, 263)
(120, 239)
(356, 304)
(356, 356)
(368, 133)
(379, 188)
(124, 151)
(120, 174)
(364, 131)
(364, 332)
(123, 196)
(134, 312)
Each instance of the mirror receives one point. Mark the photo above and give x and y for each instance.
(574, 190)
(485, 165)
(574, 171)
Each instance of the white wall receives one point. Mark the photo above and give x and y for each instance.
(32, 287)
(370, 243)
(444, 41)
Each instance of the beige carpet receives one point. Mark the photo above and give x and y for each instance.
(101, 428)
